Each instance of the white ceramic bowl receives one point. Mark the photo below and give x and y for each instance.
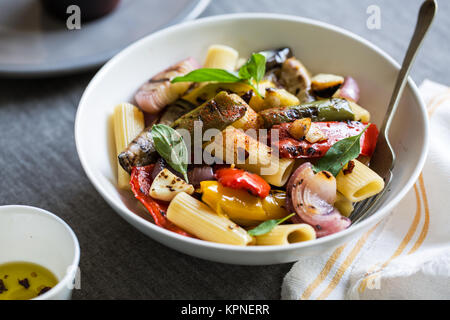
(34, 235)
(321, 47)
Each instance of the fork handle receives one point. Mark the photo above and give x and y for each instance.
(424, 20)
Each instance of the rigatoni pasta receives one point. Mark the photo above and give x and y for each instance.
(359, 184)
(221, 57)
(344, 205)
(287, 234)
(197, 218)
(128, 123)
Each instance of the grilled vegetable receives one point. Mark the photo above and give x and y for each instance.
(141, 182)
(322, 110)
(158, 92)
(166, 186)
(204, 93)
(140, 152)
(299, 128)
(314, 134)
(221, 57)
(242, 207)
(349, 90)
(296, 79)
(275, 98)
(175, 110)
(240, 179)
(258, 102)
(311, 196)
(162, 164)
(333, 132)
(218, 113)
(275, 58)
(274, 61)
(200, 173)
(250, 120)
(325, 85)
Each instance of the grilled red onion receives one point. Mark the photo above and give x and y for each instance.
(311, 196)
(199, 174)
(159, 91)
(349, 90)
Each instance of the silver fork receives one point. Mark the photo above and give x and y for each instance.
(383, 159)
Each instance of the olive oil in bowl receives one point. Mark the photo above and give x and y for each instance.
(24, 280)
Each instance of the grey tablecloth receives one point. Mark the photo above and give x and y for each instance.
(39, 165)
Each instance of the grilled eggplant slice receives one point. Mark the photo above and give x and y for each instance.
(175, 110)
(140, 152)
(325, 85)
(158, 92)
(296, 79)
(275, 58)
(322, 110)
(217, 113)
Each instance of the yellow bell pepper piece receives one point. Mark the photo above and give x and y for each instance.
(242, 207)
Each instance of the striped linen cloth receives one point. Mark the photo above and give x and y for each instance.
(407, 255)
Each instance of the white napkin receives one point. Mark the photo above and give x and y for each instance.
(406, 256)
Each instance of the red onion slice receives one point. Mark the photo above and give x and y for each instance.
(158, 92)
(311, 196)
(349, 90)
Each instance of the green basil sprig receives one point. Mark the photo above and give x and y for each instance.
(208, 74)
(340, 154)
(267, 226)
(170, 145)
(253, 70)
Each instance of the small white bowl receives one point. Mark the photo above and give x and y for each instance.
(320, 46)
(35, 235)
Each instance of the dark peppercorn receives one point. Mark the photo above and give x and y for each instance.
(2, 287)
(24, 283)
(44, 290)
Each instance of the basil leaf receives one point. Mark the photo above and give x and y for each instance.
(267, 226)
(340, 154)
(254, 68)
(208, 74)
(170, 145)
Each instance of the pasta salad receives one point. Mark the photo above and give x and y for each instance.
(247, 151)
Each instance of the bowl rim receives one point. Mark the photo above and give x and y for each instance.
(379, 214)
(65, 281)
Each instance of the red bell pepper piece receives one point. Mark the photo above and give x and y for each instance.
(141, 182)
(290, 147)
(240, 179)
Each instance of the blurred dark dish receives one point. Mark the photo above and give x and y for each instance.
(90, 9)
